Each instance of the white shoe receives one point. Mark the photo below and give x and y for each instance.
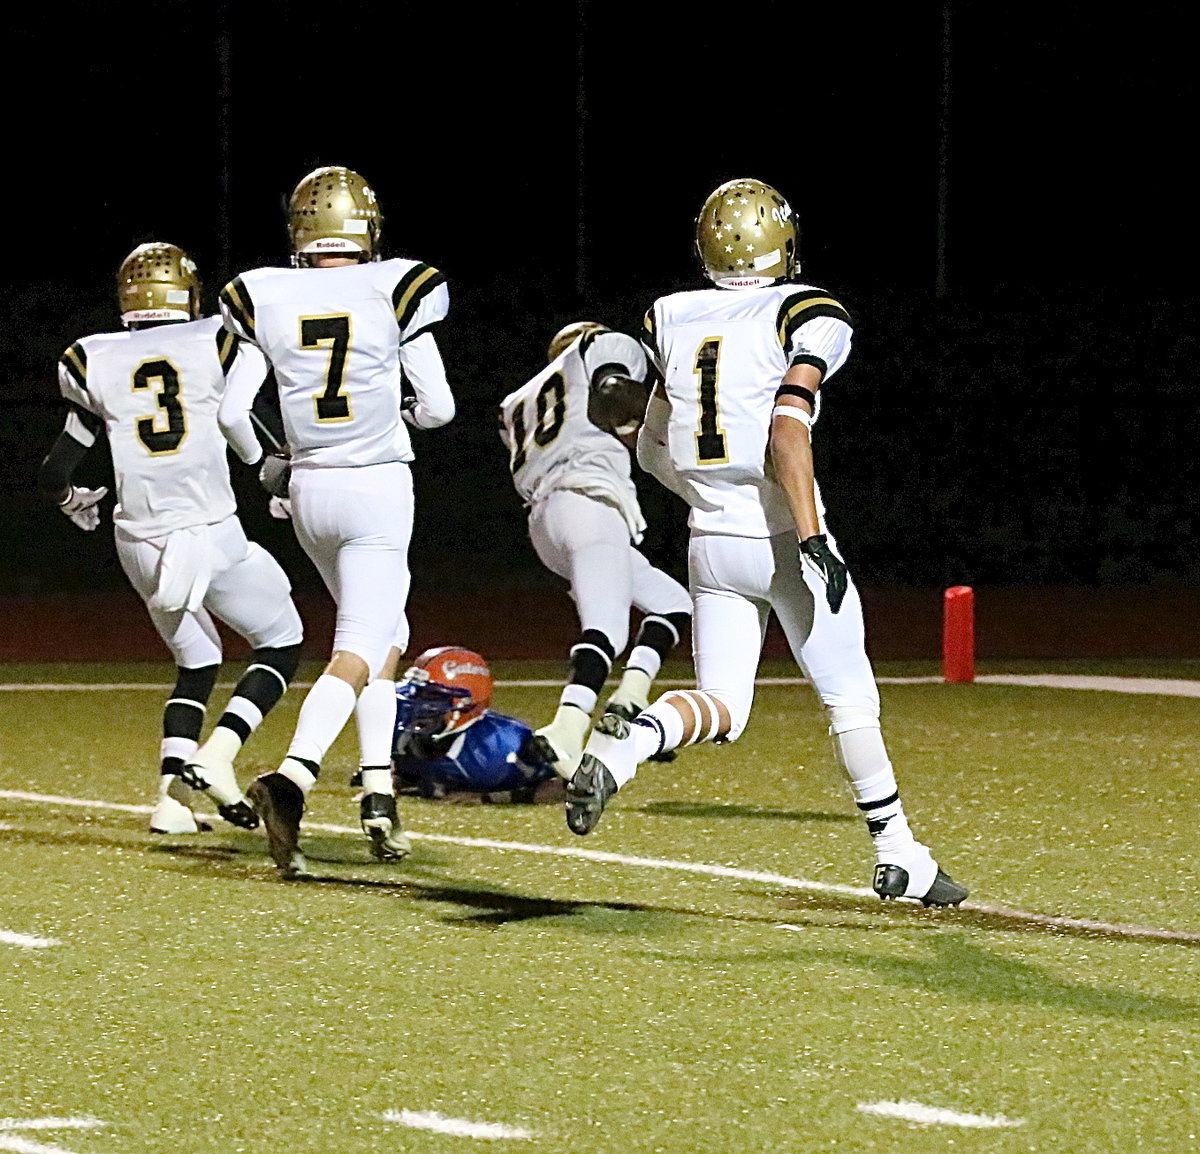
(214, 774)
(613, 746)
(171, 813)
(561, 742)
(915, 861)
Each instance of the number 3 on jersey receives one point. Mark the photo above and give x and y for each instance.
(158, 441)
(711, 448)
(331, 403)
(551, 406)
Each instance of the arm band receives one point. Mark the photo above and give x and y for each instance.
(797, 391)
(793, 411)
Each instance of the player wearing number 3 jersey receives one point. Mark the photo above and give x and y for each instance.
(729, 429)
(573, 472)
(154, 391)
(346, 335)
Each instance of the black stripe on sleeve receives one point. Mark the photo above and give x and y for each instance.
(801, 307)
(236, 299)
(75, 362)
(412, 289)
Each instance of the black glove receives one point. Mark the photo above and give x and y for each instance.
(816, 551)
(274, 474)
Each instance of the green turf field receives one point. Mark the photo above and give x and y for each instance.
(195, 1003)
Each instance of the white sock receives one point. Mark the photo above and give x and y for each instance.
(375, 715)
(667, 733)
(180, 747)
(644, 658)
(580, 696)
(864, 758)
(299, 774)
(223, 743)
(323, 715)
(378, 781)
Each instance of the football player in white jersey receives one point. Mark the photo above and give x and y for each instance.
(154, 391)
(348, 338)
(742, 364)
(585, 521)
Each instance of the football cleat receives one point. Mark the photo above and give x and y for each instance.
(892, 881)
(588, 793)
(172, 812)
(279, 801)
(213, 774)
(628, 713)
(377, 811)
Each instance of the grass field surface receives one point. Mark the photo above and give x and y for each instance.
(501, 988)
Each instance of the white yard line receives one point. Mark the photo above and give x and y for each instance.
(933, 1116)
(781, 881)
(1164, 686)
(459, 1127)
(25, 942)
(12, 1129)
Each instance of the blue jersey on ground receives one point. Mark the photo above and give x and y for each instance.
(484, 758)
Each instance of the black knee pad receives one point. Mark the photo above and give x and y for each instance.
(591, 659)
(284, 660)
(662, 632)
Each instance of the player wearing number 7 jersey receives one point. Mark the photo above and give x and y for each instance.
(574, 474)
(345, 333)
(154, 392)
(742, 364)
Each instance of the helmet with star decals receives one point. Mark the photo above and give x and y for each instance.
(746, 235)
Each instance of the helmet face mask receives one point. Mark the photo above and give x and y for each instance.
(746, 236)
(568, 335)
(333, 212)
(445, 690)
(158, 282)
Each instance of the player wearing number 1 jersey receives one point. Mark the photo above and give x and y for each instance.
(347, 336)
(574, 474)
(741, 365)
(154, 392)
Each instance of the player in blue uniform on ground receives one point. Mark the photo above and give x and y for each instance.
(450, 745)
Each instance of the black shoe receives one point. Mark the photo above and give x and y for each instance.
(377, 812)
(356, 779)
(891, 881)
(279, 801)
(587, 794)
(239, 814)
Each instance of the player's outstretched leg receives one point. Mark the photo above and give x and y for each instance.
(561, 742)
(211, 766)
(905, 868)
(375, 715)
(183, 718)
(658, 635)
(617, 747)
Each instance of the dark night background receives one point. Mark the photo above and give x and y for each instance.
(1034, 423)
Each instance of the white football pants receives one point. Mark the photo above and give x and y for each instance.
(355, 525)
(248, 591)
(586, 542)
(736, 582)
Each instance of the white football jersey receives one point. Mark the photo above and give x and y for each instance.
(552, 445)
(333, 337)
(157, 391)
(723, 353)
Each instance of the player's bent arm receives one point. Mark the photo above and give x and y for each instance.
(425, 373)
(791, 447)
(57, 470)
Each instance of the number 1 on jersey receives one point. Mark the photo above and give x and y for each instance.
(330, 403)
(711, 448)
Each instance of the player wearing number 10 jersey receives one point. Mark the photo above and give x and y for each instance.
(741, 366)
(346, 335)
(154, 392)
(584, 522)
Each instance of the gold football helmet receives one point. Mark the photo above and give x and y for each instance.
(746, 235)
(569, 334)
(333, 211)
(158, 282)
